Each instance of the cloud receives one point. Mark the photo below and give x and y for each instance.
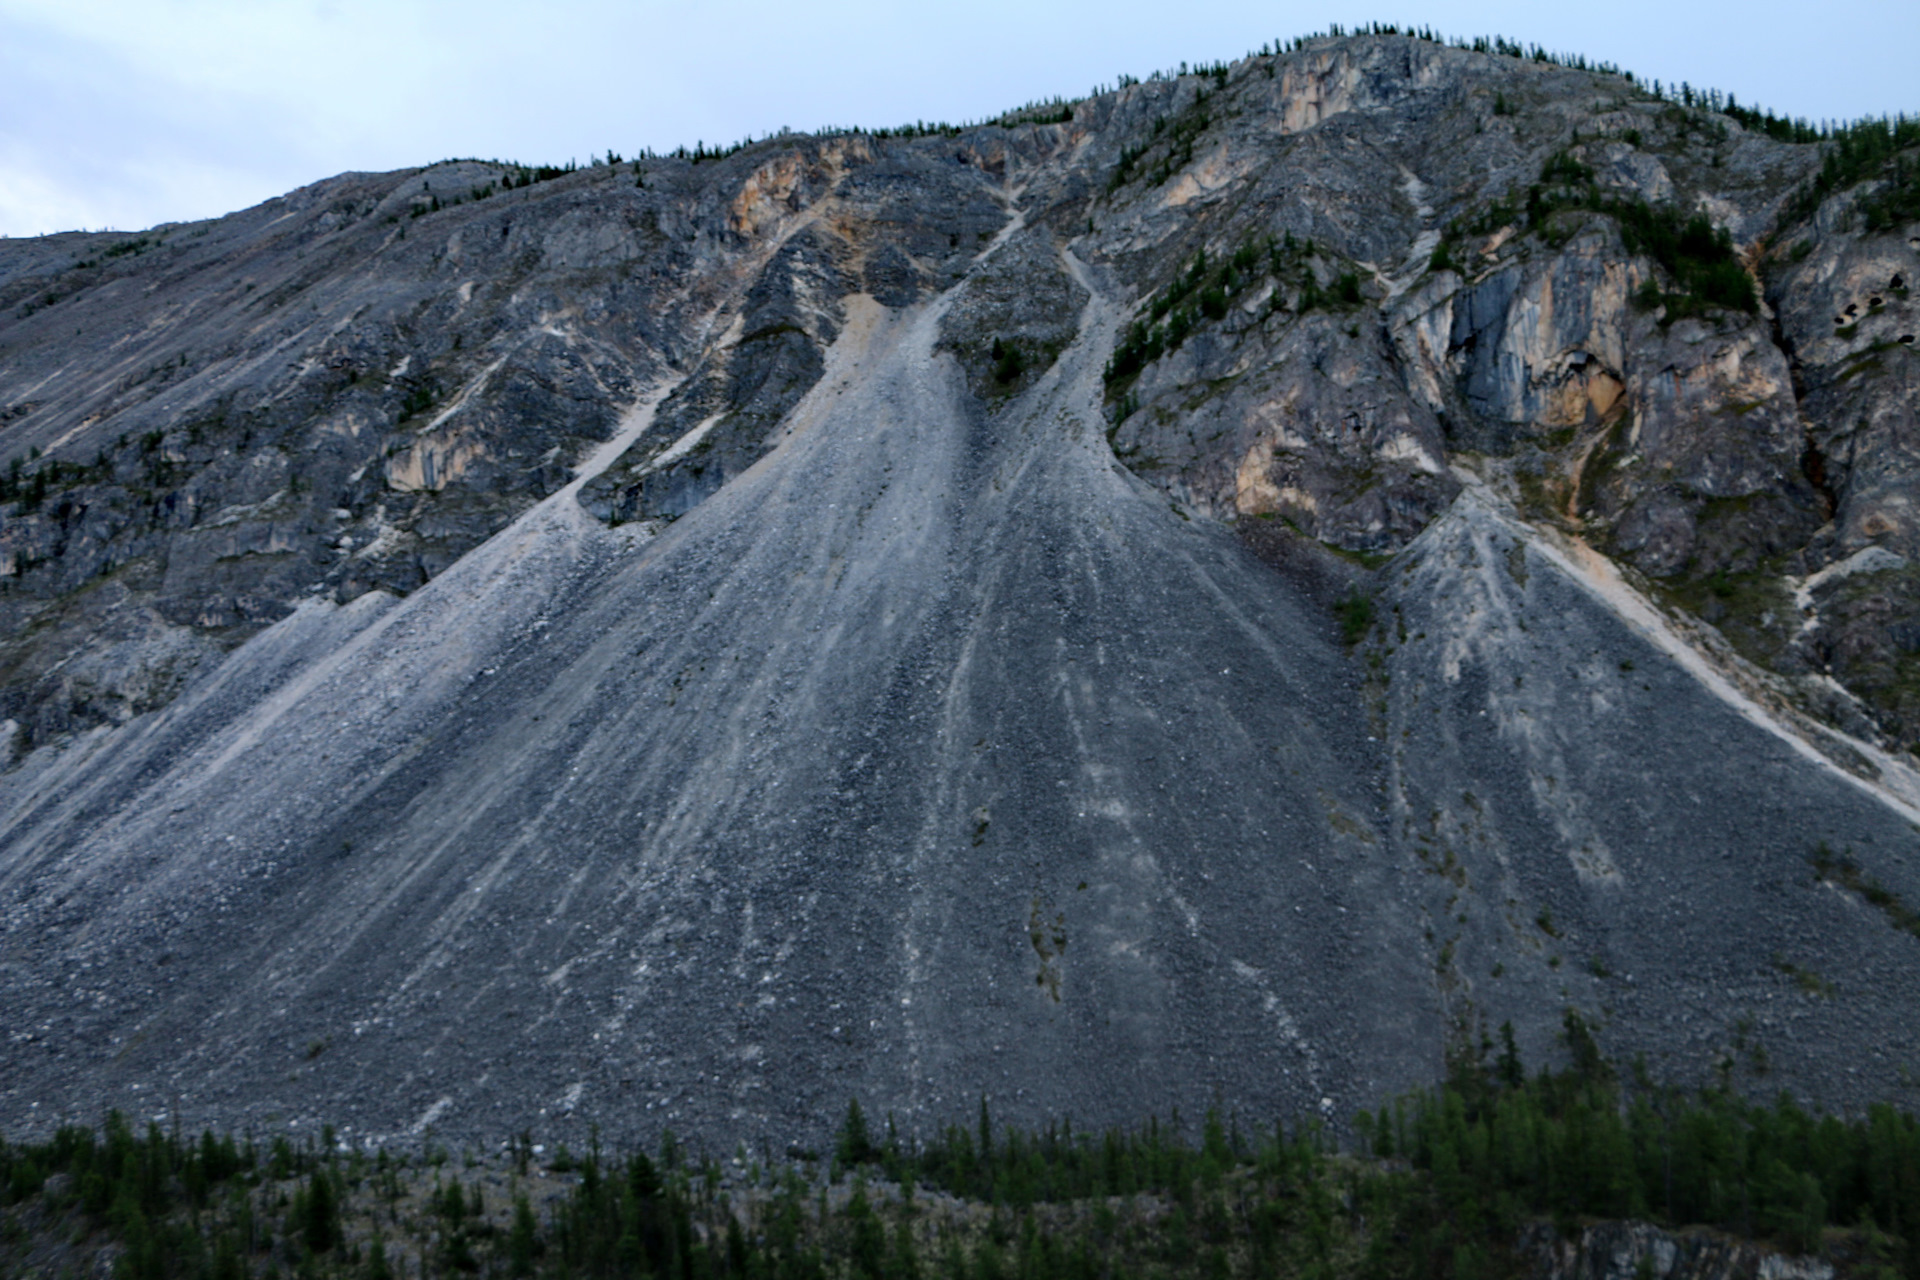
(135, 113)
(95, 140)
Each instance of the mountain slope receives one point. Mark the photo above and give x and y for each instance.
(931, 679)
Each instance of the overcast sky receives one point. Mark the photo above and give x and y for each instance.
(123, 115)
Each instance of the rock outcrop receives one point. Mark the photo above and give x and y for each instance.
(1634, 1250)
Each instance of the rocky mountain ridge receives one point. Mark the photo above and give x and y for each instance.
(683, 642)
(367, 399)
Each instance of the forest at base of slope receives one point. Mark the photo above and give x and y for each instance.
(1473, 1179)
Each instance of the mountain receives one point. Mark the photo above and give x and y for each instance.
(1226, 591)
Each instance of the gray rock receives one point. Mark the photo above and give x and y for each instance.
(593, 652)
(1625, 1250)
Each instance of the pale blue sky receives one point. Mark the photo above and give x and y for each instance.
(123, 115)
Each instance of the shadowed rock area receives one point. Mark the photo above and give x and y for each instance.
(1186, 604)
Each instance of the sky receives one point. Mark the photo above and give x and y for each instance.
(119, 115)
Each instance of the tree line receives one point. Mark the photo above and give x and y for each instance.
(1439, 1183)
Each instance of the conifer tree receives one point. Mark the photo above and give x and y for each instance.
(520, 1244)
(321, 1229)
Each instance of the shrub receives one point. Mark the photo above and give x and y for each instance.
(1008, 363)
(1355, 612)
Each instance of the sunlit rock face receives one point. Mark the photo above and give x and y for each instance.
(1227, 597)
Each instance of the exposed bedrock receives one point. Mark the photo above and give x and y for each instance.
(1225, 597)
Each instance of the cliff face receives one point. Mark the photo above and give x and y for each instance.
(1700, 447)
(683, 643)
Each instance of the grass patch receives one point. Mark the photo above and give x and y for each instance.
(1841, 869)
(1806, 979)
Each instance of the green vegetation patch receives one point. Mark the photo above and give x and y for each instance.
(1697, 259)
(1355, 612)
(1841, 869)
(1206, 287)
(1806, 979)
(1169, 143)
(1875, 148)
